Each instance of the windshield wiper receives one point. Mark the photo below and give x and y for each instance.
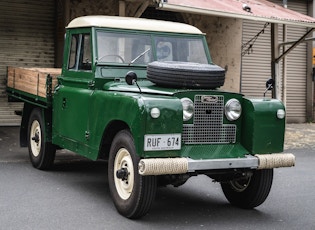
(139, 56)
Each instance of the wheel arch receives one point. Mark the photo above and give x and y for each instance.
(108, 135)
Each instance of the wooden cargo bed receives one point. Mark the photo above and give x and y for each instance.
(32, 80)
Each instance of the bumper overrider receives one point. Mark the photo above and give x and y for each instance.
(164, 166)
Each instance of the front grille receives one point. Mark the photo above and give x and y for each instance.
(208, 127)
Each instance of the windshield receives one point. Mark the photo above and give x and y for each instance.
(141, 49)
(123, 48)
(180, 49)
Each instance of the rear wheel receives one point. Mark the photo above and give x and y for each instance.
(132, 193)
(251, 191)
(41, 153)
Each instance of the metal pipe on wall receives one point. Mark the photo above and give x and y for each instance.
(284, 62)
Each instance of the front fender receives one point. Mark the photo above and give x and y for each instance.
(108, 107)
(169, 122)
(262, 130)
(134, 110)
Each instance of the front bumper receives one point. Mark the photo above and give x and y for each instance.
(164, 166)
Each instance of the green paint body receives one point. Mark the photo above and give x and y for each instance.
(89, 107)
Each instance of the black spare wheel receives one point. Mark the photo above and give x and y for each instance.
(186, 75)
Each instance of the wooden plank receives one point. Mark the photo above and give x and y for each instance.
(10, 78)
(31, 80)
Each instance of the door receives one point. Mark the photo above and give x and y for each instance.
(72, 97)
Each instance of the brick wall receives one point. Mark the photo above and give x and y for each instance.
(224, 37)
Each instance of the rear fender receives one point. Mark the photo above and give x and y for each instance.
(27, 109)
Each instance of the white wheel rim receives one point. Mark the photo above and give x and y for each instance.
(35, 144)
(124, 187)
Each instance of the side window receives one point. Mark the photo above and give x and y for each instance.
(73, 52)
(80, 53)
(85, 53)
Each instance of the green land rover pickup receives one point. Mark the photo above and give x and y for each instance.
(144, 95)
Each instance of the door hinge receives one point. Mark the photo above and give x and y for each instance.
(87, 135)
(91, 84)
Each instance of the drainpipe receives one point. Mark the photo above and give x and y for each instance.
(274, 61)
(309, 80)
(284, 62)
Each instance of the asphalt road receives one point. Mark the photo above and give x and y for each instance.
(75, 195)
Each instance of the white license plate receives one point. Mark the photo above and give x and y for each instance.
(159, 142)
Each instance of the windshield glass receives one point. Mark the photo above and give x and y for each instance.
(113, 47)
(123, 48)
(180, 49)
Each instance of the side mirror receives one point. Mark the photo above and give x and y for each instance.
(131, 77)
(270, 84)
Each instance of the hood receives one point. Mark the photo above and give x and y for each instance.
(145, 86)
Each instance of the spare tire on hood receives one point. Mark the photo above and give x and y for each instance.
(185, 75)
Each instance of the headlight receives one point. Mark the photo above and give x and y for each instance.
(155, 113)
(233, 109)
(280, 113)
(188, 108)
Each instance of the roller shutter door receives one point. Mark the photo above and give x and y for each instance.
(256, 61)
(256, 68)
(27, 31)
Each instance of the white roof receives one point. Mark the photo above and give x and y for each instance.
(133, 24)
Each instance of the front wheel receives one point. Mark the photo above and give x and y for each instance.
(132, 193)
(250, 191)
(42, 153)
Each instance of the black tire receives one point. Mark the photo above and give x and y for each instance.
(132, 193)
(249, 192)
(185, 75)
(41, 153)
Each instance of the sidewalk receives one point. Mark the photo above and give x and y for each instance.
(299, 136)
